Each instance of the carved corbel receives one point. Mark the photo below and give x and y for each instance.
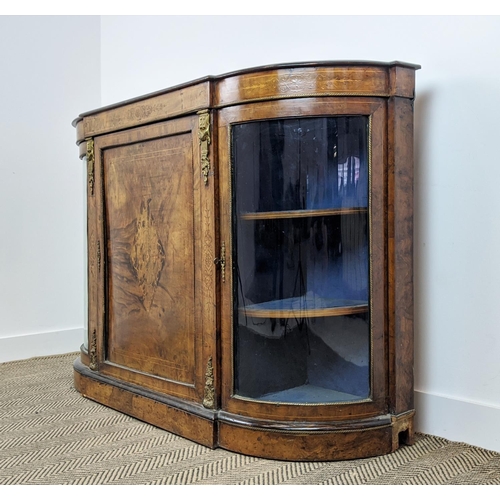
(209, 397)
(204, 136)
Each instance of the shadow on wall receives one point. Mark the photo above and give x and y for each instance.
(456, 239)
(423, 103)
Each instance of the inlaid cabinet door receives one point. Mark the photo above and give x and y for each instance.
(155, 290)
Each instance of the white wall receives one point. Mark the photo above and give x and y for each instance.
(457, 177)
(50, 74)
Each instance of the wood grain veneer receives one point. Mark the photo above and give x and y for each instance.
(161, 259)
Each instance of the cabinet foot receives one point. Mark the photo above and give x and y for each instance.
(402, 429)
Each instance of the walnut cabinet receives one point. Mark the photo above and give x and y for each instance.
(249, 269)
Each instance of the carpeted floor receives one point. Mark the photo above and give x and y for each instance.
(50, 435)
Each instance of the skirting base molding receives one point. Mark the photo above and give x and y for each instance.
(454, 419)
(458, 420)
(40, 344)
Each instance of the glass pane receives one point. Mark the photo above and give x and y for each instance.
(301, 252)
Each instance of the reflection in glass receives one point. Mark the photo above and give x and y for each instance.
(301, 253)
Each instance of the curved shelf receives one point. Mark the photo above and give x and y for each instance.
(292, 214)
(305, 307)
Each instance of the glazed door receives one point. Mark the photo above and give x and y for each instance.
(306, 242)
(154, 309)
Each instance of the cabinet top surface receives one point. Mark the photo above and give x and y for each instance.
(315, 80)
(342, 65)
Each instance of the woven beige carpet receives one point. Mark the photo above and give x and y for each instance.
(50, 435)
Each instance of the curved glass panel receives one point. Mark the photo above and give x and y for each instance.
(301, 256)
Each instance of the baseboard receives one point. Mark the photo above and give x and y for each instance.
(40, 344)
(458, 420)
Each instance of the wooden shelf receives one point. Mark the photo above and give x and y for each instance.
(309, 393)
(302, 307)
(292, 214)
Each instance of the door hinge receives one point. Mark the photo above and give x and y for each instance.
(221, 261)
(90, 165)
(98, 256)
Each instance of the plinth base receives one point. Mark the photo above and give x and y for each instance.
(300, 441)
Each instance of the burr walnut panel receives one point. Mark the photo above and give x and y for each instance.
(150, 227)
